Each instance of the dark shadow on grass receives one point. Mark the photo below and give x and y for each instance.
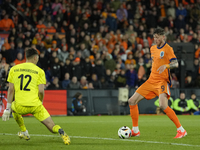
(32, 142)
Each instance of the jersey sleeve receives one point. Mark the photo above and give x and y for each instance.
(42, 79)
(10, 76)
(170, 54)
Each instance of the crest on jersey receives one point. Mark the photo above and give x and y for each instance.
(162, 54)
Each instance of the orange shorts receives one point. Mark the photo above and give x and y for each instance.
(152, 88)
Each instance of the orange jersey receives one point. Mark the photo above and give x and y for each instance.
(16, 61)
(161, 56)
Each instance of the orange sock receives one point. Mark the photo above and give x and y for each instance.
(171, 114)
(134, 114)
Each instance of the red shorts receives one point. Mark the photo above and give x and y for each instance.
(152, 88)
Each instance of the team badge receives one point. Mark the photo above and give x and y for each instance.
(162, 54)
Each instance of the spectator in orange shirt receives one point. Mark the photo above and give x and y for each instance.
(28, 4)
(130, 59)
(40, 25)
(197, 53)
(141, 68)
(50, 28)
(6, 23)
(54, 47)
(19, 59)
(6, 44)
(182, 33)
(94, 50)
(110, 48)
(92, 60)
(124, 43)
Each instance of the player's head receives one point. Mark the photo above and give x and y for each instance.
(159, 36)
(32, 55)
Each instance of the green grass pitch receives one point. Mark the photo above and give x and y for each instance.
(100, 133)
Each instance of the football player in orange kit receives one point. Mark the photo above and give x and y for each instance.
(158, 84)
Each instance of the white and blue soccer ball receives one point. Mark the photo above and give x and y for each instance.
(124, 132)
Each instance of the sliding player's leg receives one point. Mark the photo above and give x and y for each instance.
(134, 112)
(16, 111)
(56, 129)
(163, 102)
(43, 116)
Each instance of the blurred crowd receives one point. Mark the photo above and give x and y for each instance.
(96, 44)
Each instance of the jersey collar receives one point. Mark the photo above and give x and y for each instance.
(161, 46)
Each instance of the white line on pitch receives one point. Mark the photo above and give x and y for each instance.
(111, 139)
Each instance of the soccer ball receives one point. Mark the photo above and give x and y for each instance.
(124, 132)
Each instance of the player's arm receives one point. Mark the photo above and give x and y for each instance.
(41, 92)
(7, 111)
(173, 64)
(11, 91)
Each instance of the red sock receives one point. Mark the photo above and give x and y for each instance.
(134, 114)
(171, 114)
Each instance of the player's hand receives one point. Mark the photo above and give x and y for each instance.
(6, 114)
(161, 68)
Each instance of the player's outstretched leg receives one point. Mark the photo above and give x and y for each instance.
(163, 102)
(20, 121)
(64, 136)
(48, 122)
(181, 132)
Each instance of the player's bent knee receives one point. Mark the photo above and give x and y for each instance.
(135, 99)
(130, 100)
(163, 106)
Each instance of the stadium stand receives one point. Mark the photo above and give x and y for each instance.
(95, 38)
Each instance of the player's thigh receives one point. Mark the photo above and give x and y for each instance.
(147, 90)
(163, 87)
(40, 113)
(164, 94)
(19, 109)
(163, 101)
(135, 98)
